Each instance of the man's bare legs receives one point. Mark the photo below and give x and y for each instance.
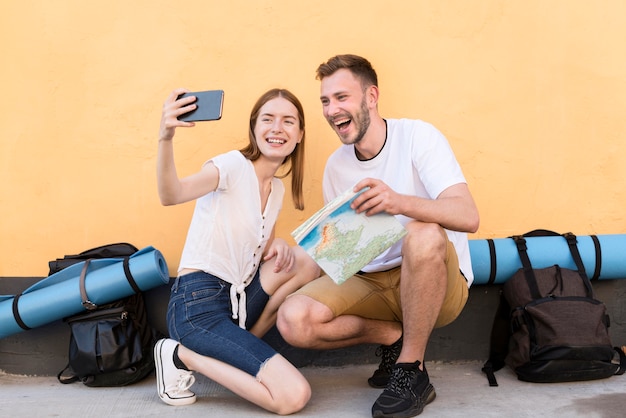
(280, 285)
(423, 286)
(304, 322)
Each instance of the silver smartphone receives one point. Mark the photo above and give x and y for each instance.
(208, 106)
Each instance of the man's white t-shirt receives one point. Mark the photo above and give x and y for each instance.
(416, 160)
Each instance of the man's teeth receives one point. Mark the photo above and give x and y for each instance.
(341, 121)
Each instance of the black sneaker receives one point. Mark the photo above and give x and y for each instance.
(408, 392)
(389, 354)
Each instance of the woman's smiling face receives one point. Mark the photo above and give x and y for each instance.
(277, 130)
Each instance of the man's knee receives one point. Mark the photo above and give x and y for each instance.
(292, 318)
(425, 238)
(299, 319)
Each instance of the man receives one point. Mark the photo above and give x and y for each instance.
(421, 282)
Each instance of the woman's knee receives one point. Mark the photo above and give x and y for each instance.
(296, 398)
(306, 264)
(289, 389)
(303, 271)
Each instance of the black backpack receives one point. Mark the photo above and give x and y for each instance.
(118, 250)
(110, 344)
(549, 326)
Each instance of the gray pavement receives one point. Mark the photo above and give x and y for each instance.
(462, 391)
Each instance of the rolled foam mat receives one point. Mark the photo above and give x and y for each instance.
(497, 265)
(58, 295)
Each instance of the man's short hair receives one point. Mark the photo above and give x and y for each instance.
(359, 66)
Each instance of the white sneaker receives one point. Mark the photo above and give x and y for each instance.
(172, 383)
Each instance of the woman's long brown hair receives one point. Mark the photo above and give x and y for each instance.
(296, 158)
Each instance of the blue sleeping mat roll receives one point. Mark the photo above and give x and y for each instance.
(604, 256)
(58, 295)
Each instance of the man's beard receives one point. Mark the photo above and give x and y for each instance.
(362, 122)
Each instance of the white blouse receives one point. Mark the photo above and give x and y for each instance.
(229, 231)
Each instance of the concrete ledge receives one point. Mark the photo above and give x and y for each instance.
(43, 351)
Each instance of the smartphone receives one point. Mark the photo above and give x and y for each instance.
(208, 106)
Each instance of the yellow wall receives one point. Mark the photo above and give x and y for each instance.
(531, 95)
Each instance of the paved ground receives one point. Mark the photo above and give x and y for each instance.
(462, 391)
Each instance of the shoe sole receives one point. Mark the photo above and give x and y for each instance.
(161, 384)
(430, 395)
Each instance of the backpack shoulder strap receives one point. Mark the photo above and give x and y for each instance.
(572, 243)
(520, 242)
(499, 341)
(88, 304)
(129, 276)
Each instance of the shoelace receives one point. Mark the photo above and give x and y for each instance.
(185, 381)
(389, 355)
(400, 381)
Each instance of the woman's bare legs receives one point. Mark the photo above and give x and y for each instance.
(279, 387)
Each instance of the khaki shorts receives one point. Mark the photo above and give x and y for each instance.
(377, 295)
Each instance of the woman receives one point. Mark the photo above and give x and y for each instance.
(234, 273)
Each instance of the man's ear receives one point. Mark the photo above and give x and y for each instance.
(372, 95)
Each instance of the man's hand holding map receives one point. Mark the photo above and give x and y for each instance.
(342, 241)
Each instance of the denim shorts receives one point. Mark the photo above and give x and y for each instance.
(199, 316)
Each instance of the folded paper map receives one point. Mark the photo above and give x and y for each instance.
(342, 241)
